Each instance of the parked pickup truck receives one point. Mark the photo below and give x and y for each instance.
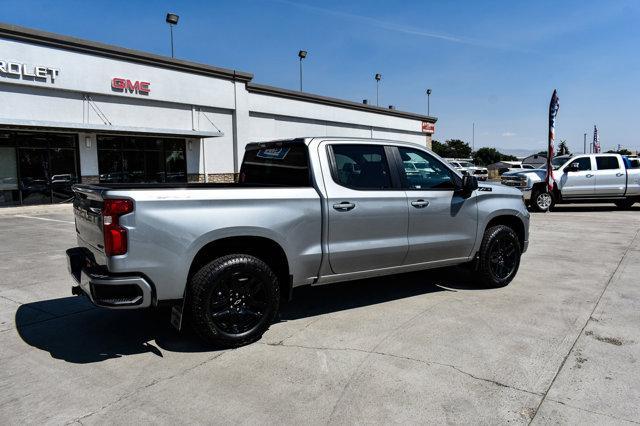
(304, 212)
(596, 178)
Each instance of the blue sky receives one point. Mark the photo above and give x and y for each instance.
(494, 63)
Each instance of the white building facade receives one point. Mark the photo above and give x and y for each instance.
(73, 110)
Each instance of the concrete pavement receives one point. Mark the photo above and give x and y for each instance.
(560, 344)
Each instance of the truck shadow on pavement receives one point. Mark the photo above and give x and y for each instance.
(81, 333)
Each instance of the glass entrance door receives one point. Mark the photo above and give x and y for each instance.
(8, 175)
(37, 168)
(34, 175)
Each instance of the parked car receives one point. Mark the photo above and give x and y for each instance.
(468, 168)
(304, 212)
(588, 177)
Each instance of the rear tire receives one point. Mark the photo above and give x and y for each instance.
(625, 204)
(541, 200)
(499, 257)
(233, 300)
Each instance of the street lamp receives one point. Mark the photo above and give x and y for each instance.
(378, 77)
(172, 19)
(301, 54)
(428, 96)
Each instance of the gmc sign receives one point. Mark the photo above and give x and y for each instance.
(125, 85)
(428, 127)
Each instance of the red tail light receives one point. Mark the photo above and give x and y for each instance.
(115, 236)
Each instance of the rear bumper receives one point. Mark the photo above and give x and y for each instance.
(104, 289)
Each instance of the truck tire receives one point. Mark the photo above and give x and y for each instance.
(499, 257)
(233, 300)
(541, 200)
(626, 203)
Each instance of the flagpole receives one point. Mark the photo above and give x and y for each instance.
(554, 105)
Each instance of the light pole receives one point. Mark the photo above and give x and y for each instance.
(585, 143)
(473, 137)
(378, 77)
(428, 106)
(172, 19)
(301, 54)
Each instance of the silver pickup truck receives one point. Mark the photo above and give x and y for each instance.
(304, 212)
(598, 178)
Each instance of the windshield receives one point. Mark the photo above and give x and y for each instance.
(559, 161)
(466, 164)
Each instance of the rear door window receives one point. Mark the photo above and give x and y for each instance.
(607, 163)
(361, 166)
(281, 165)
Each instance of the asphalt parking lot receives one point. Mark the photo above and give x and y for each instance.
(560, 344)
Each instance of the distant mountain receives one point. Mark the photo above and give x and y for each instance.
(519, 152)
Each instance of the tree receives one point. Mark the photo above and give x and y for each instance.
(486, 156)
(438, 148)
(563, 149)
(452, 148)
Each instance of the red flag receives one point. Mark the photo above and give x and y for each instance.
(554, 105)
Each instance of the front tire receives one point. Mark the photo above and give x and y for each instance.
(541, 200)
(499, 257)
(233, 300)
(625, 204)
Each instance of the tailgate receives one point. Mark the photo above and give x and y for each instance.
(87, 209)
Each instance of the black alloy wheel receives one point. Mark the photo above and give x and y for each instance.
(499, 256)
(503, 257)
(233, 300)
(239, 302)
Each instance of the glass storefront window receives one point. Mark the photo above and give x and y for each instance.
(141, 159)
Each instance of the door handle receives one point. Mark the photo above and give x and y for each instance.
(619, 174)
(344, 206)
(589, 175)
(420, 204)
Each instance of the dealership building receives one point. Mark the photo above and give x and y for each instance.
(74, 110)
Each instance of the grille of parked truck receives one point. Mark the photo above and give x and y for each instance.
(598, 178)
(304, 212)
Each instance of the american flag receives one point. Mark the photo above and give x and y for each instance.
(596, 140)
(554, 105)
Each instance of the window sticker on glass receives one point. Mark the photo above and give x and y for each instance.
(273, 153)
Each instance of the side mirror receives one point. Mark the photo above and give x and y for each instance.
(573, 167)
(469, 184)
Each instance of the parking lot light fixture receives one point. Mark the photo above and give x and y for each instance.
(301, 54)
(172, 19)
(378, 77)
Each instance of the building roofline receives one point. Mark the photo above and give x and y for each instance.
(324, 100)
(15, 32)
